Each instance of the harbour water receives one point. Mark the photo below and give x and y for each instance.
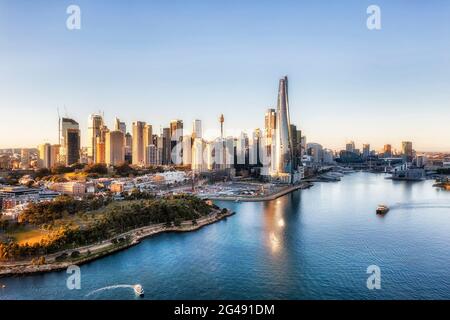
(310, 244)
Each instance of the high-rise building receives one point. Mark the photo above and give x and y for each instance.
(350, 146)
(120, 126)
(366, 151)
(25, 159)
(152, 155)
(128, 147)
(114, 148)
(73, 146)
(167, 149)
(45, 151)
(95, 123)
(197, 155)
(70, 142)
(176, 133)
(100, 150)
(138, 148)
(197, 129)
(187, 150)
(283, 141)
(387, 150)
(148, 140)
(55, 152)
(407, 151)
(270, 124)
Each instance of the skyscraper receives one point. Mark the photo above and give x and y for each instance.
(350, 146)
(120, 126)
(176, 134)
(197, 129)
(148, 140)
(95, 123)
(270, 124)
(407, 151)
(167, 150)
(283, 157)
(138, 148)
(70, 141)
(114, 148)
(44, 160)
(366, 150)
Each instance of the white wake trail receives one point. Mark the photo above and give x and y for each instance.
(110, 288)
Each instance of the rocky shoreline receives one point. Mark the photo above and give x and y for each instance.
(106, 247)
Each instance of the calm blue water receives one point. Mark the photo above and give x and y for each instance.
(311, 244)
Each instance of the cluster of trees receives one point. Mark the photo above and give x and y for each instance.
(49, 211)
(115, 218)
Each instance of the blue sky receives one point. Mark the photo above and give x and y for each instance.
(159, 60)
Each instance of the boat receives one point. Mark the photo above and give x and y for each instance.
(138, 290)
(382, 209)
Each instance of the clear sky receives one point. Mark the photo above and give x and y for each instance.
(157, 60)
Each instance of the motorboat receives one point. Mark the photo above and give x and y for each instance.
(138, 290)
(382, 209)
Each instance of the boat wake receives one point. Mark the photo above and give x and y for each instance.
(117, 286)
(421, 205)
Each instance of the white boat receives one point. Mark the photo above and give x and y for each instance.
(138, 290)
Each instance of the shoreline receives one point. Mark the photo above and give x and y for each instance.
(106, 247)
(273, 196)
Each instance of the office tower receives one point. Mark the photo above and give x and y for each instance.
(350, 146)
(270, 124)
(128, 147)
(100, 150)
(254, 147)
(55, 152)
(303, 145)
(387, 150)
(187, 150)
(197, 129)
(198, 147)
(73, 146)
(176, 134)
(114, 148)
(138, 147)
(152, 155)
(293, 135)
(241, 149)
(70, 141)
(315, 150)
(95, 123)
(160, 150)
(148, 140)
(407, 151)
(25, 159)
(45, 151)
(167, 150)
(366, 151)
(283, 141)
(120, 126)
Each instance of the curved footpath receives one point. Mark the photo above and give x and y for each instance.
(105, 247)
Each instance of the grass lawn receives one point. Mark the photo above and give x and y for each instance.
(24, 235)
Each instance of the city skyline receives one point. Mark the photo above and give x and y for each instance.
(381, 87)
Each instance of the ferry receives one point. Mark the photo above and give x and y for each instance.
(138, 290)
(382, 209)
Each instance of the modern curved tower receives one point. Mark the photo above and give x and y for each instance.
(284, 149)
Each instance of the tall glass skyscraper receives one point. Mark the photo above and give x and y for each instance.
(283, 133)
